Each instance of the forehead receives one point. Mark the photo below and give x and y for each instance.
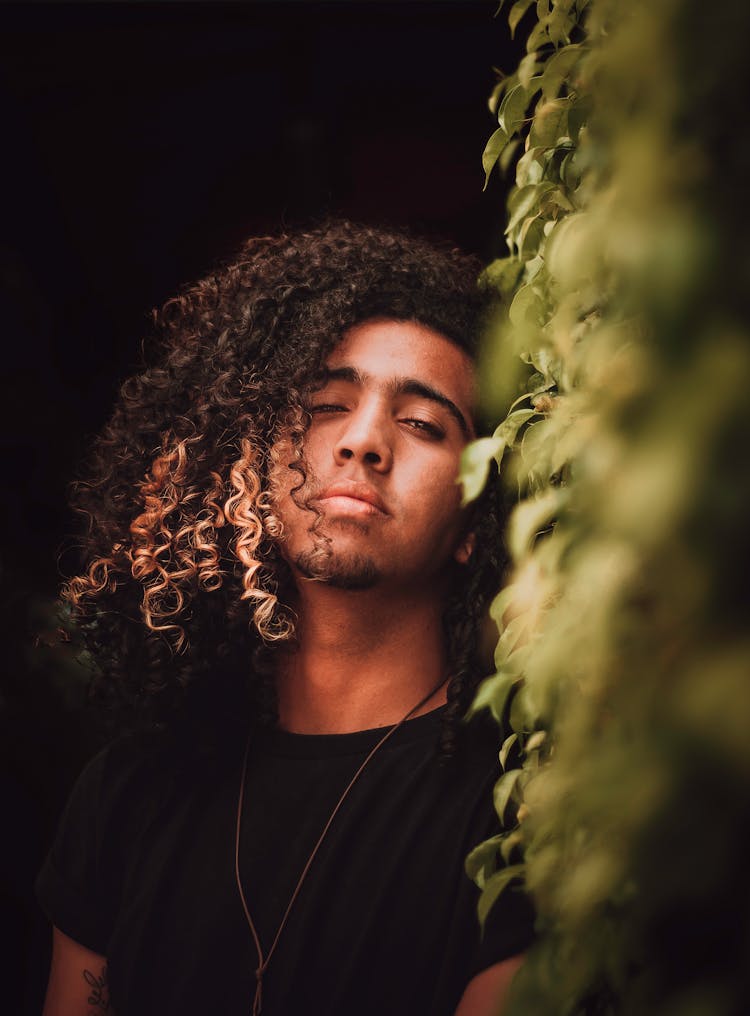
(387, 349)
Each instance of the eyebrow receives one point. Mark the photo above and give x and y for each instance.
(402, 386)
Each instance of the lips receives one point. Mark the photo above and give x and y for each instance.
(350, 495)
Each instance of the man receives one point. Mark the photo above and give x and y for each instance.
(282, 584)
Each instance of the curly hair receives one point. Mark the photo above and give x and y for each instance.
(181, 582)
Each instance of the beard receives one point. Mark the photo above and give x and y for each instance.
(338, 569)
(323, 561)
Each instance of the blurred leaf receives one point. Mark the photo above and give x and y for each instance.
(504, 790)
(508, 743)
(495, 885)
(482, 860)
(503, 274)
(475, 465)
(550, 123)
(529, 518)
(493, 694)
(510, 842)
(527, 69)
(527, 308)
(507, 155)
(515, 14)
(535, 741)
(558, 70)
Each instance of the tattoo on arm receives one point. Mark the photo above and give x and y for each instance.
(98, 992)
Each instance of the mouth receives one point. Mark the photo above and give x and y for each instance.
(348, 497)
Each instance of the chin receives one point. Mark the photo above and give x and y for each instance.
(342, 571)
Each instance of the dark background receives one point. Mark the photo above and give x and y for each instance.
(142, 143)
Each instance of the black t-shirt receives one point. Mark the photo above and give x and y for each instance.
(142, 871)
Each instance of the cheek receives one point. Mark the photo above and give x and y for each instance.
(439, 506)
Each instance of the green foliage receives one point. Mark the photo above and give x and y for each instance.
(622, 678)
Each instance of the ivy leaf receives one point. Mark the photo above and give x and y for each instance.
(495, 885)
(475, 465)
(550, 123)
(491, 153)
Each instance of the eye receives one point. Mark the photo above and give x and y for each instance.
(425, 427)
(327, 407)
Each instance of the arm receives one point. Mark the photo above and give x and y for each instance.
(77, 980)
(486, 993)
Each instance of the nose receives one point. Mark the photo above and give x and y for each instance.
(365, 437)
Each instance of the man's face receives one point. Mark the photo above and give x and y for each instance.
(381, 457)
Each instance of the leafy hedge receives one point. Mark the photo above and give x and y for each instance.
(622, 676)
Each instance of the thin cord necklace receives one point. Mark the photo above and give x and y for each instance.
(263, 961)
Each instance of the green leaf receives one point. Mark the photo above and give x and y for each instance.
(494, 887)
(501, 603)
(526, 201)
(559, 69)
(481, 862)
(535, 741)
(507, 643)
(527, 308)
(475, 459)
(505, 751)
(529, 518)
(493, 694)
(549, 125)
(492, 151)
(508, 429)
(560, 24)
(531, 236)
(512, 113)
(506, 156)
(503, 791)
(578, 115)
(475, 465)
(515, 14)
(497, 93)
(510, 842)
(503, 274)
(527, 69)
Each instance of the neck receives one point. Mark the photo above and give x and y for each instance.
(363, 660)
